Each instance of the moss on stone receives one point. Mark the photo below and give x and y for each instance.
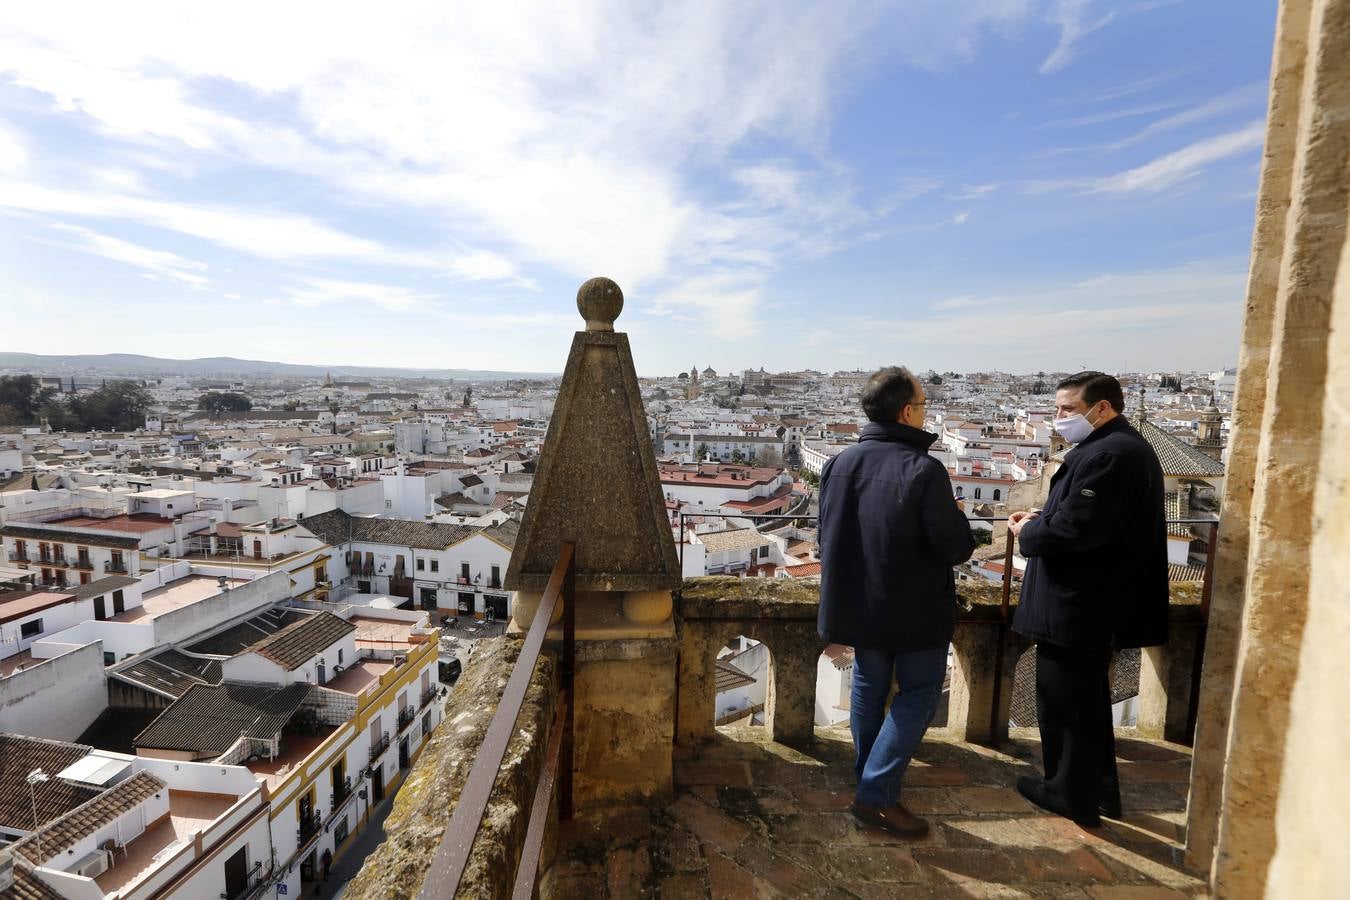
(427, 799)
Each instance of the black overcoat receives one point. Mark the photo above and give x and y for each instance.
(890, 532)
(1097, 553)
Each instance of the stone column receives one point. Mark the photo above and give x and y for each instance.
(1230, 561)
(1314, 37)
(1165, 679)
(1313, 817)
(972, 700)
(597, 486)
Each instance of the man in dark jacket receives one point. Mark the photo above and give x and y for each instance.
(890, 532)
(1096, 581)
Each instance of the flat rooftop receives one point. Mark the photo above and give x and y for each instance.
(140, 523)
(189, 812)
(295, 747)
(358, 677)
(377, 633)
(176, 595)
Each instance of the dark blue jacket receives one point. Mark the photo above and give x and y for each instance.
(1097, 554)
(890, 532)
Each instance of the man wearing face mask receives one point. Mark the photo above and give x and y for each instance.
(890, 532)
(1096, 581)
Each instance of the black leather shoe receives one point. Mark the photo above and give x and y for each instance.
(1034, 790)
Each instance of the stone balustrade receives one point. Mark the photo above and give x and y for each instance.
(781, 613)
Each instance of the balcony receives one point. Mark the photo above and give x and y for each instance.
(341, 792)
(116, 567)
(377, 749)
(406, 716)
(309, 826)
(427, 696)
(82, 562)
(19, 556)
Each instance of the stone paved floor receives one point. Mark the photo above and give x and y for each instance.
(756, 819)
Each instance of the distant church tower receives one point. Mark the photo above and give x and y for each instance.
(1209, 439)
(693, 390)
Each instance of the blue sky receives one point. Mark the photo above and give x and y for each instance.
(991, 184)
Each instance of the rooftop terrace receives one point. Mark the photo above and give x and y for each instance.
(176, 595)
(753, 818)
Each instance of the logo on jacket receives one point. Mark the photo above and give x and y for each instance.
(1088, 492)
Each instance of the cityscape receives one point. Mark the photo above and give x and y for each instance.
(307, 563)
(623, 450)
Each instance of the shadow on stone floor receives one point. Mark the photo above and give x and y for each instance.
(753, 818)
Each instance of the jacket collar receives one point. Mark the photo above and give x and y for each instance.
(1116, 424)
(896, 432)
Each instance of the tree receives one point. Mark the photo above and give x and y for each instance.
(119, 405)
(983, 536)
(737, 457)
(935, 378)
(770, 457)
(291, 405)
(21, 394)
(223, 401)
(701, 452)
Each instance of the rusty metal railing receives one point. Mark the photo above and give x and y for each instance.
(452, 855)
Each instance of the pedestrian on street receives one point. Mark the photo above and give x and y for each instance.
(1096, 582)
(890, 532)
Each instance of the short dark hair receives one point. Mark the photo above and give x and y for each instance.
(1097, 386)
(887, 392)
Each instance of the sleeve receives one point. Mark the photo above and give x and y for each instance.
(944, 525)
(1092, 515)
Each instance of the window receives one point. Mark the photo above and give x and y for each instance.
(764, 552)
(421, 565)
(339, 656)
(30, 628)
(977, 493)
(435, 565)
(464, 571)
(109, 658)
(998, 495)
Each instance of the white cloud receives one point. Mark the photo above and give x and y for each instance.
(1165, 171)
(960, 218)
(1168, 170)
(1112, 321)
(324, 291)
(155, 263)
(1251, 98)
(1075, 23)
(555, 134)
(13, 151)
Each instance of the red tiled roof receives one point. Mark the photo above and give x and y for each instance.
(804, 570)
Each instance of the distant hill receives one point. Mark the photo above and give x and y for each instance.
(132, 364)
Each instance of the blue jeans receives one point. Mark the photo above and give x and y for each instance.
(886, 741)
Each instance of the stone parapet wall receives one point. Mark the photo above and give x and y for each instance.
(781, 614)
(426, 801)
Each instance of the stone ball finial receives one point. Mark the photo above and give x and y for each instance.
(599, 301)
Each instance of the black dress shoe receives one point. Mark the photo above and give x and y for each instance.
(1034, 790)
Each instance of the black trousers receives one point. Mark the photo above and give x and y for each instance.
(1073, 709)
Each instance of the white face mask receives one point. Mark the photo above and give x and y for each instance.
(1074, 428)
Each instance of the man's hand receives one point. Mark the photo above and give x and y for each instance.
(1018, 519)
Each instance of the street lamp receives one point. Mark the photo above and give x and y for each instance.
(36, 777)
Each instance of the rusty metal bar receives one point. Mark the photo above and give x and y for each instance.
(568, 675)
(1198, 663)
(994, 727)
(528, 870)
(452, 855)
